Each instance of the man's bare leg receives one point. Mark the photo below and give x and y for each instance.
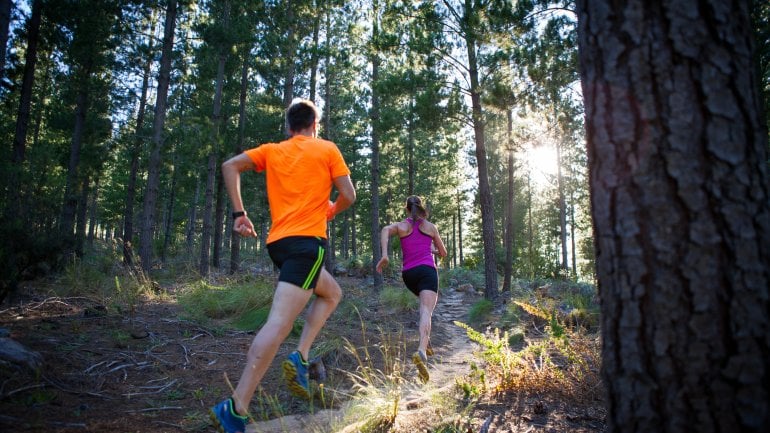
(328, 296)
(288, 302)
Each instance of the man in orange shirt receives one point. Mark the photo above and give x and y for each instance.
(300, 174)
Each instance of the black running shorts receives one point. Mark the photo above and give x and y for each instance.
(300, 259)
(419, 278)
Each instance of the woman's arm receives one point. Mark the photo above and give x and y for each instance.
(438, 242)
(385, 235)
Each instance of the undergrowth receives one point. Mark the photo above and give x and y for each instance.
(563, 361)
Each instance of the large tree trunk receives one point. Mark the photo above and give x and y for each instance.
(212, 219)
(288, 57)
(193, 218)
(328, 131)
(73, 177)
(93, 213)
(235, 238)
(128, 212)
(5, 21)
(168, 224)
(82, 211)
(677, 153)
(22, 119)
(314, 57)
(153, 170)
(509, 232)
(485, 192)
(219, 222)
(208, 213)
(375, 158)
(562, 210)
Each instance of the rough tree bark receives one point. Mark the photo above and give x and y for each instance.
(153, 170)
(375, 159)
(677, 151)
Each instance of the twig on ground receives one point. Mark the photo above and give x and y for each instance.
(154, 409)
(157, 389)
(71, 391)
(16, 391)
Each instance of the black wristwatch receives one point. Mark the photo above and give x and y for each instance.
(239, 214)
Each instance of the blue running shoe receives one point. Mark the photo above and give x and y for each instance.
(296, 374)
(225, 419)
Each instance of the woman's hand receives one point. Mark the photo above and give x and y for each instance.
(384, 261)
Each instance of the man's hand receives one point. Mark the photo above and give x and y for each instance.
(243, 226)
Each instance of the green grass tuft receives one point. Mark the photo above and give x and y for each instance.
(399, 299)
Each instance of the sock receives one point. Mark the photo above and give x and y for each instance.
(235, 412)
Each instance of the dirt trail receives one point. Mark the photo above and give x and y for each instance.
(449, 362)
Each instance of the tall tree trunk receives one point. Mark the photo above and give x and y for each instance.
(454, 240)
(485, 192)
(219, 221)
(73, 177)
(22, 118)
(288, 57)
(562, 210)
(93, 212)
(460, 231)
(193, 218)
(235, 241)
(5, 21)
(128, 210)
(677, 158)
(410, 148)
(208, 211)
(509, 233)
(169, 222)
(153, 169)
(315, 56)
(530, 231)
(572, 234)
(375, 157)
(328, 131)
(353, 231)
(212, 171)
(82, 211)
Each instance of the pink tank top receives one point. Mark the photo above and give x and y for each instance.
(416, 247)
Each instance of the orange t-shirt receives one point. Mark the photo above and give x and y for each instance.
(300, 173)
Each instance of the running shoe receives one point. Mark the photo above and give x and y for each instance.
(225, 419)
(422, 370)
(429, 350)
(296, 375)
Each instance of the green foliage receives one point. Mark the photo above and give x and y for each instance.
(567, 364)
(480, 310)
(462, 275)
(244, 303)
(399, 299)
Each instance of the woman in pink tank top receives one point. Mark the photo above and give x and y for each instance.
(419, 241)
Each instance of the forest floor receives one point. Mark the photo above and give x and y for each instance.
(151, 370)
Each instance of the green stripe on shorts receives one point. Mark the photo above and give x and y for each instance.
(316, 268)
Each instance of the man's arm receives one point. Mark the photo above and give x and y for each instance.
(231, 175)
(346, 197)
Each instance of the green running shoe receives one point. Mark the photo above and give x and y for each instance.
(422, 370)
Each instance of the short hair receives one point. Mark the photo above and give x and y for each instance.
(301, 114)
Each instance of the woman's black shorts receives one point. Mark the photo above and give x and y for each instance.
(300, 259)
(421, 278)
